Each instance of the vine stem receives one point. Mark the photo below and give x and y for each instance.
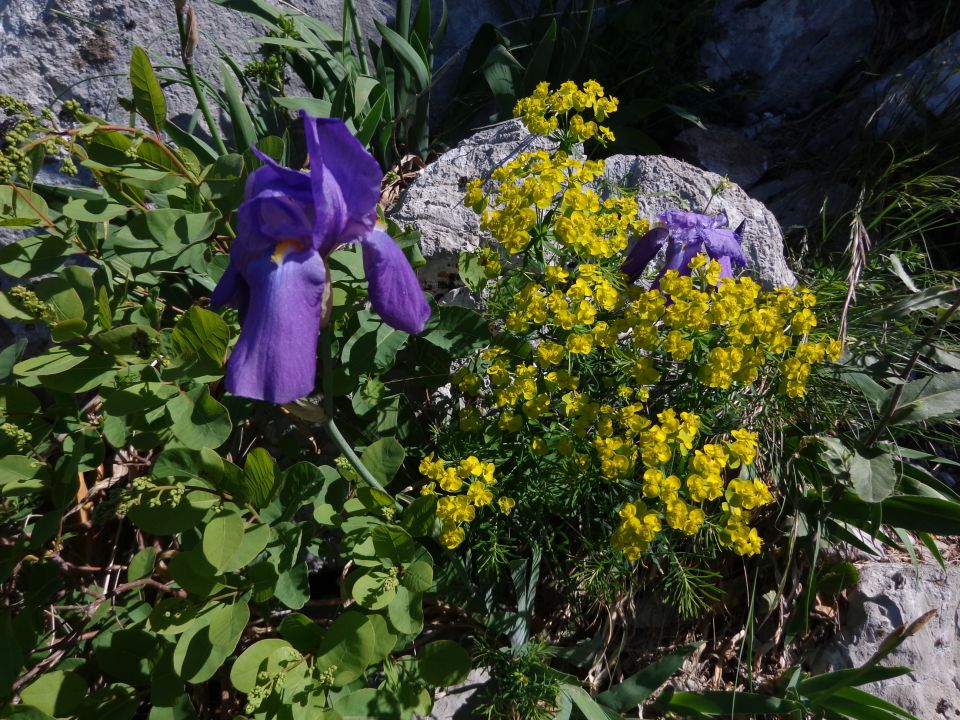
(326, 357)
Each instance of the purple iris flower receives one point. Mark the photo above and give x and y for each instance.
(288, 223)
(687, 234)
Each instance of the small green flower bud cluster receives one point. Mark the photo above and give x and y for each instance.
(144, 491)
(72, 107)
(346, 469)
(26, 300)
(260, 692)
(26, 125)
(392, 581)
(21, 438)
(325, 679)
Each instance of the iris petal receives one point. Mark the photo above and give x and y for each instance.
(231, 290)
(724, 243)
(354, 170)
(393, 286)
(680, 255)
(277, 216)
(332, 215)
(643, 252)
(273, 175)
(275, 357)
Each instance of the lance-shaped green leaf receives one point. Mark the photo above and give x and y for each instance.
(148, 96)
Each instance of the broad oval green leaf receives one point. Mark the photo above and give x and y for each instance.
(56, 693)
(443, 663)
(222, 537)
(243, 674)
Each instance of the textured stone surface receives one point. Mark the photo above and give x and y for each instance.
(928, 86)
(889, 595)
(795, 49)
(459, 702)
(57, 49)
(434, 202)
(725, 152)
(664, 183)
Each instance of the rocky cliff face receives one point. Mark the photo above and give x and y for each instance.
(58, 49)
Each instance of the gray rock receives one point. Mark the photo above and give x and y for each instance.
(663, 183)
(459, 702)
(889, 595)
(725, 152)
(433, 203)
(58, 49)
(927, 87)
(796, 50)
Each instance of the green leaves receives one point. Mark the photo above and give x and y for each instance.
(383, 459)
(148, 96)
(55, 693)
(261, 481)
(198, 421)
(221, 538)
(443, 663)
(457, 330)
(932, 398)
(638, 687)
(21, 475)
(207, 643)
(243, 674)
(347, 648)
(872, 474)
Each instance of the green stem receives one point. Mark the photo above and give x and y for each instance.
(198, 92)
(326, 357)
(334, 432)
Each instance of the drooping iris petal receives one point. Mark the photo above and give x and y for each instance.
(726, 271)
(393, 286)
(275, 357)
(720, 242)
(643, 252)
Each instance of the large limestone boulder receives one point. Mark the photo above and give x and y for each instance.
(889, 595)
(663, 183)
(433, 203)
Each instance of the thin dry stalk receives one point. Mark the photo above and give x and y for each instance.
(859, 247)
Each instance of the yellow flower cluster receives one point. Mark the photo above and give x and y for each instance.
(469, 485)
(562, 111)
(756, 327)
(528, 187)
(680, 504)
(595, 383)
(743, 496)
